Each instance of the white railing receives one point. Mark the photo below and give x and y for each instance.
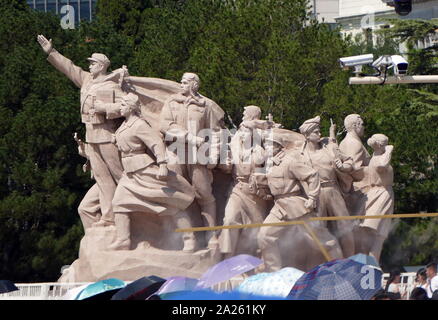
(56, 291)
(40, 291)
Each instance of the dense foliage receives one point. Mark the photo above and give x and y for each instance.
(263, 52)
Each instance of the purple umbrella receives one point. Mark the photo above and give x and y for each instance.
(227, 269)
(174, 284)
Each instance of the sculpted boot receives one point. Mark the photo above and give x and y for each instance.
(123, 241)
(208, 211)
(189, 242)
(183, 222)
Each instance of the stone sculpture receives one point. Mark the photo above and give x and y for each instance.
(153, 147)
(292, 201)
(100, 97)
(245, 204)
(324, 156)
(189, 117)
(146, 185)
(352, 147)
(379, 196)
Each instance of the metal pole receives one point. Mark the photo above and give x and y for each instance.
(79, 11)
(394, 80)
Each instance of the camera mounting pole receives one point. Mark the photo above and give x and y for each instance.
(394, 80)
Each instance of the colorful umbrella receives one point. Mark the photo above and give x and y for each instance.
(140, 289)
(278, 283)
(342, 279)
(174, 284)
(101, 289)
(227, 269)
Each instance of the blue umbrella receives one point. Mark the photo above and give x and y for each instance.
(227, 269)
(278, 283)
(212, 295)
(365, 259)
(101, 289)
(342, 279)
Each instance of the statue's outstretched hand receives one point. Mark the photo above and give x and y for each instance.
(45, 44)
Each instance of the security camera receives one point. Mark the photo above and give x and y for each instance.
(383, 63)
(400, 65)
(356, 61)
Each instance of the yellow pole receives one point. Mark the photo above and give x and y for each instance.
(318, 243)
(288, 223)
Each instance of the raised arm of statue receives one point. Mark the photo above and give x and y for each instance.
(385, 160)
(61, 63)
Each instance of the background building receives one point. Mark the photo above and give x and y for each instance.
(84, 9)
(325, 10)
(357, 16)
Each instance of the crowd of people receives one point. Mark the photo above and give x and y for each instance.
(426, 285)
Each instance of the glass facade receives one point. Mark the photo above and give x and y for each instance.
(84, 9)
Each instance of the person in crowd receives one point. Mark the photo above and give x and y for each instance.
(381, 295)
(393, 285)
(432, 279)
(418, 294)
(421, 279)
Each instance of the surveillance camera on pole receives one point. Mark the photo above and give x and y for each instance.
(382, 65)
(386, 62)
(400, 65)
(356, 61)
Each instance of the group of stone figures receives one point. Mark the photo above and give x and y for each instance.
(152, 146)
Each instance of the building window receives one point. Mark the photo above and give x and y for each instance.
(84, 9)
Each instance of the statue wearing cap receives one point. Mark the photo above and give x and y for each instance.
(245, 205)
(295, 187)
(100, 108)
(324, 156)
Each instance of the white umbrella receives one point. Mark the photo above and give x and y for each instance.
(274, 284)
(73, 293)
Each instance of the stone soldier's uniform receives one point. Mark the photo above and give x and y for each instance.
(104, 156)
(244, 206)
(189, 115)
(284, 180)
(356, 181)
(330, 200)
